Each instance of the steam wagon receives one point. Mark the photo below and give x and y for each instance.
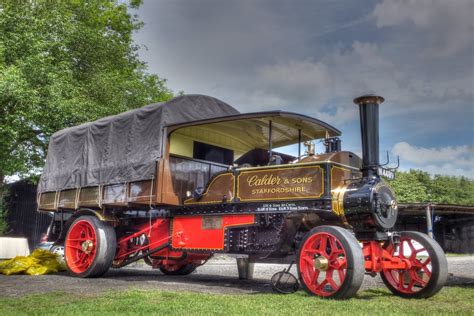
(176, 182)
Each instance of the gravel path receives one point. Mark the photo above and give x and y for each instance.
(217, 276)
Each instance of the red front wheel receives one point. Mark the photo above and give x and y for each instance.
(428, 269)
(90, 247)
(330, 263)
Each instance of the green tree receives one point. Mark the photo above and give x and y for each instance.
(63, 63)
(408, 188)
(418, 186)
(452, 190)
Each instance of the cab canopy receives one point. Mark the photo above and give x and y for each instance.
(126, 147)
(242, 133)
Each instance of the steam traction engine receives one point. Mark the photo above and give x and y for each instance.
(177, 182)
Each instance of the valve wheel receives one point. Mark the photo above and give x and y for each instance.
(330, 263)
(428, 269)
(90, 247)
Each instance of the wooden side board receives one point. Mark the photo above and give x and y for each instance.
(174, 177)
(120, 195)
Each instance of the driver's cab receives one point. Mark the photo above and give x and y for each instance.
(199, 151)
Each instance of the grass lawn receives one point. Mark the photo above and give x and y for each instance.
(450, 300)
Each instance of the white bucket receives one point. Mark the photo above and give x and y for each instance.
(12, 247)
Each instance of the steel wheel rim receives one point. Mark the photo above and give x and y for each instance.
(81, 246)
(326, 280)
(416, 278)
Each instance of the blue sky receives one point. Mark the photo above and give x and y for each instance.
(314, 57)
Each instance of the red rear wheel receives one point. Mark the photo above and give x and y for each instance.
(90, 247)
(330, 263)
(81, 246)
(428, 271)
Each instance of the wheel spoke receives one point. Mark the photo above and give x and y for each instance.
(75, 247)
(410, 285)
(416, 279)
(401, 279)
(76, 239)
(81, 257)
(308, 260)
(311, 251)
(323, 244)
(332, 243)
(314, 278)
(342, 275)
(420, 250)
(413, 250)
(323, 283)
(400, 250)
(414, 253)
(335, 253)
(337, 264)
(427, 261)
(333, 284)
(427, 271)
(90, 233)
(83, 263)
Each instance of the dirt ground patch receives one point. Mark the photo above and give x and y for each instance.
(217, 276)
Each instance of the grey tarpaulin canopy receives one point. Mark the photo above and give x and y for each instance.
(120, 148)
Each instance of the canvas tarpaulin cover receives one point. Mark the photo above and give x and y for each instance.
(120, 148)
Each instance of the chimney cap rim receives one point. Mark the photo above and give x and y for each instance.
(369, 99)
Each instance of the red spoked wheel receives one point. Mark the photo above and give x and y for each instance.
(330, 263)
(428, 269)
(81, 246)
(90, 247)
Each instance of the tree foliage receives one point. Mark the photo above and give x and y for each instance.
(63, 63)
(418, 186)
(408, 188)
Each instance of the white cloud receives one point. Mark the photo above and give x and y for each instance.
(451, 160)
(447, 25)
(342, 115)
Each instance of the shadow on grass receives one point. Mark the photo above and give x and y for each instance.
(462, 281)
(373, 294)
(208, 280)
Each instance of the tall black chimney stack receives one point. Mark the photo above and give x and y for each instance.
(369, 130)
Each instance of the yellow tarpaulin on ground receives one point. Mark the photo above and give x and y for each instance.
(39, 262)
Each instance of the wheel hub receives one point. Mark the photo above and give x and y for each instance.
(87, 246)
(321, 263)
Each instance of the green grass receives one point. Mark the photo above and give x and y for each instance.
(451, 300)
(450, 254)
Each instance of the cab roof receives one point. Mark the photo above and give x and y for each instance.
(253, 128)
